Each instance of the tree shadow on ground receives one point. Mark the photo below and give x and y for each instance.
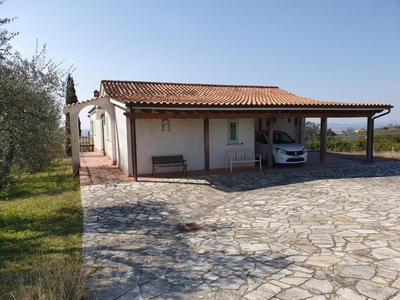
(138, 252)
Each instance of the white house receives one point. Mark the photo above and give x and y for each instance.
(132, 121)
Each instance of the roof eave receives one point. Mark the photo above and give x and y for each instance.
(255, 107)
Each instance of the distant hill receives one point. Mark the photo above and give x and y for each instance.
(338, 127)
(340, 124)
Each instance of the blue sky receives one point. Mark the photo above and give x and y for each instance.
(341, 50)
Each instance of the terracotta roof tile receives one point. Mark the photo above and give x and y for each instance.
(186, 94)
(208, 95)
(85, 101)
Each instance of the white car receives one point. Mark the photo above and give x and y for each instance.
(285, 150)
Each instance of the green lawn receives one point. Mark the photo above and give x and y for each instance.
(41, 232)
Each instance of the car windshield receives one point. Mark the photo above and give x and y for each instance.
(282, 138)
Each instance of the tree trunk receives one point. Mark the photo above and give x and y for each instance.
(5, 169)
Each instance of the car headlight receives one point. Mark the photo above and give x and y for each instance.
(304, 150)
(280, 151)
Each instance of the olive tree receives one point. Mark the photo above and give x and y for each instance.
(312, 130)
(5, 37)
(31, 131)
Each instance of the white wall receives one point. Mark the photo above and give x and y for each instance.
(107, 134)
(283, 124)
(185, 137)
(288, 127)
(121, 136)
(97, 138)
(219, 137)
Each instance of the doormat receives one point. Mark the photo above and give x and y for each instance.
(188, 227)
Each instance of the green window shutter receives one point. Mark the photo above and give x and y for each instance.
(233, 129)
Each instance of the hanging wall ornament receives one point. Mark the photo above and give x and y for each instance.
(165, 125)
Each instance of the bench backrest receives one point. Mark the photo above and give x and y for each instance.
(240, 154)
(168, 159)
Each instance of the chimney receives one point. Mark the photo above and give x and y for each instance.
(96, 94)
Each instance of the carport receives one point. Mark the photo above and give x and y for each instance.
(371, 113)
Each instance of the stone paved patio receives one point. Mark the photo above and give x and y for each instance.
(317, 233)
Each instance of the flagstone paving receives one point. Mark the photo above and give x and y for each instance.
(318, 233)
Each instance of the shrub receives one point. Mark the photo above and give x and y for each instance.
(357, 143)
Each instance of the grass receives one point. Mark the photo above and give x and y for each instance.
(387, 155)
(41, 236)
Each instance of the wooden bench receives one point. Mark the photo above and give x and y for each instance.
(91, 147)
(241, 156)
(168, 161)
(86, 142)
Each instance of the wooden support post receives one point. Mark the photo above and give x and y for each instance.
(301, 130)
(370, 139)
(324, 125)
(133, 143)
(207, 145)
(270, 125)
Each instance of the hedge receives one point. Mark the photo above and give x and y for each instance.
(357, 143)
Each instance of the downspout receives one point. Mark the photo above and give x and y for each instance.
(371, 135)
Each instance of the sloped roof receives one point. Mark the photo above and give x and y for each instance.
(184, 94)
(211, 96)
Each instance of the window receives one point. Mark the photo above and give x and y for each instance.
(261, 138)
(91, 128)
(106, 125)
(233, 127)
(282, 138)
